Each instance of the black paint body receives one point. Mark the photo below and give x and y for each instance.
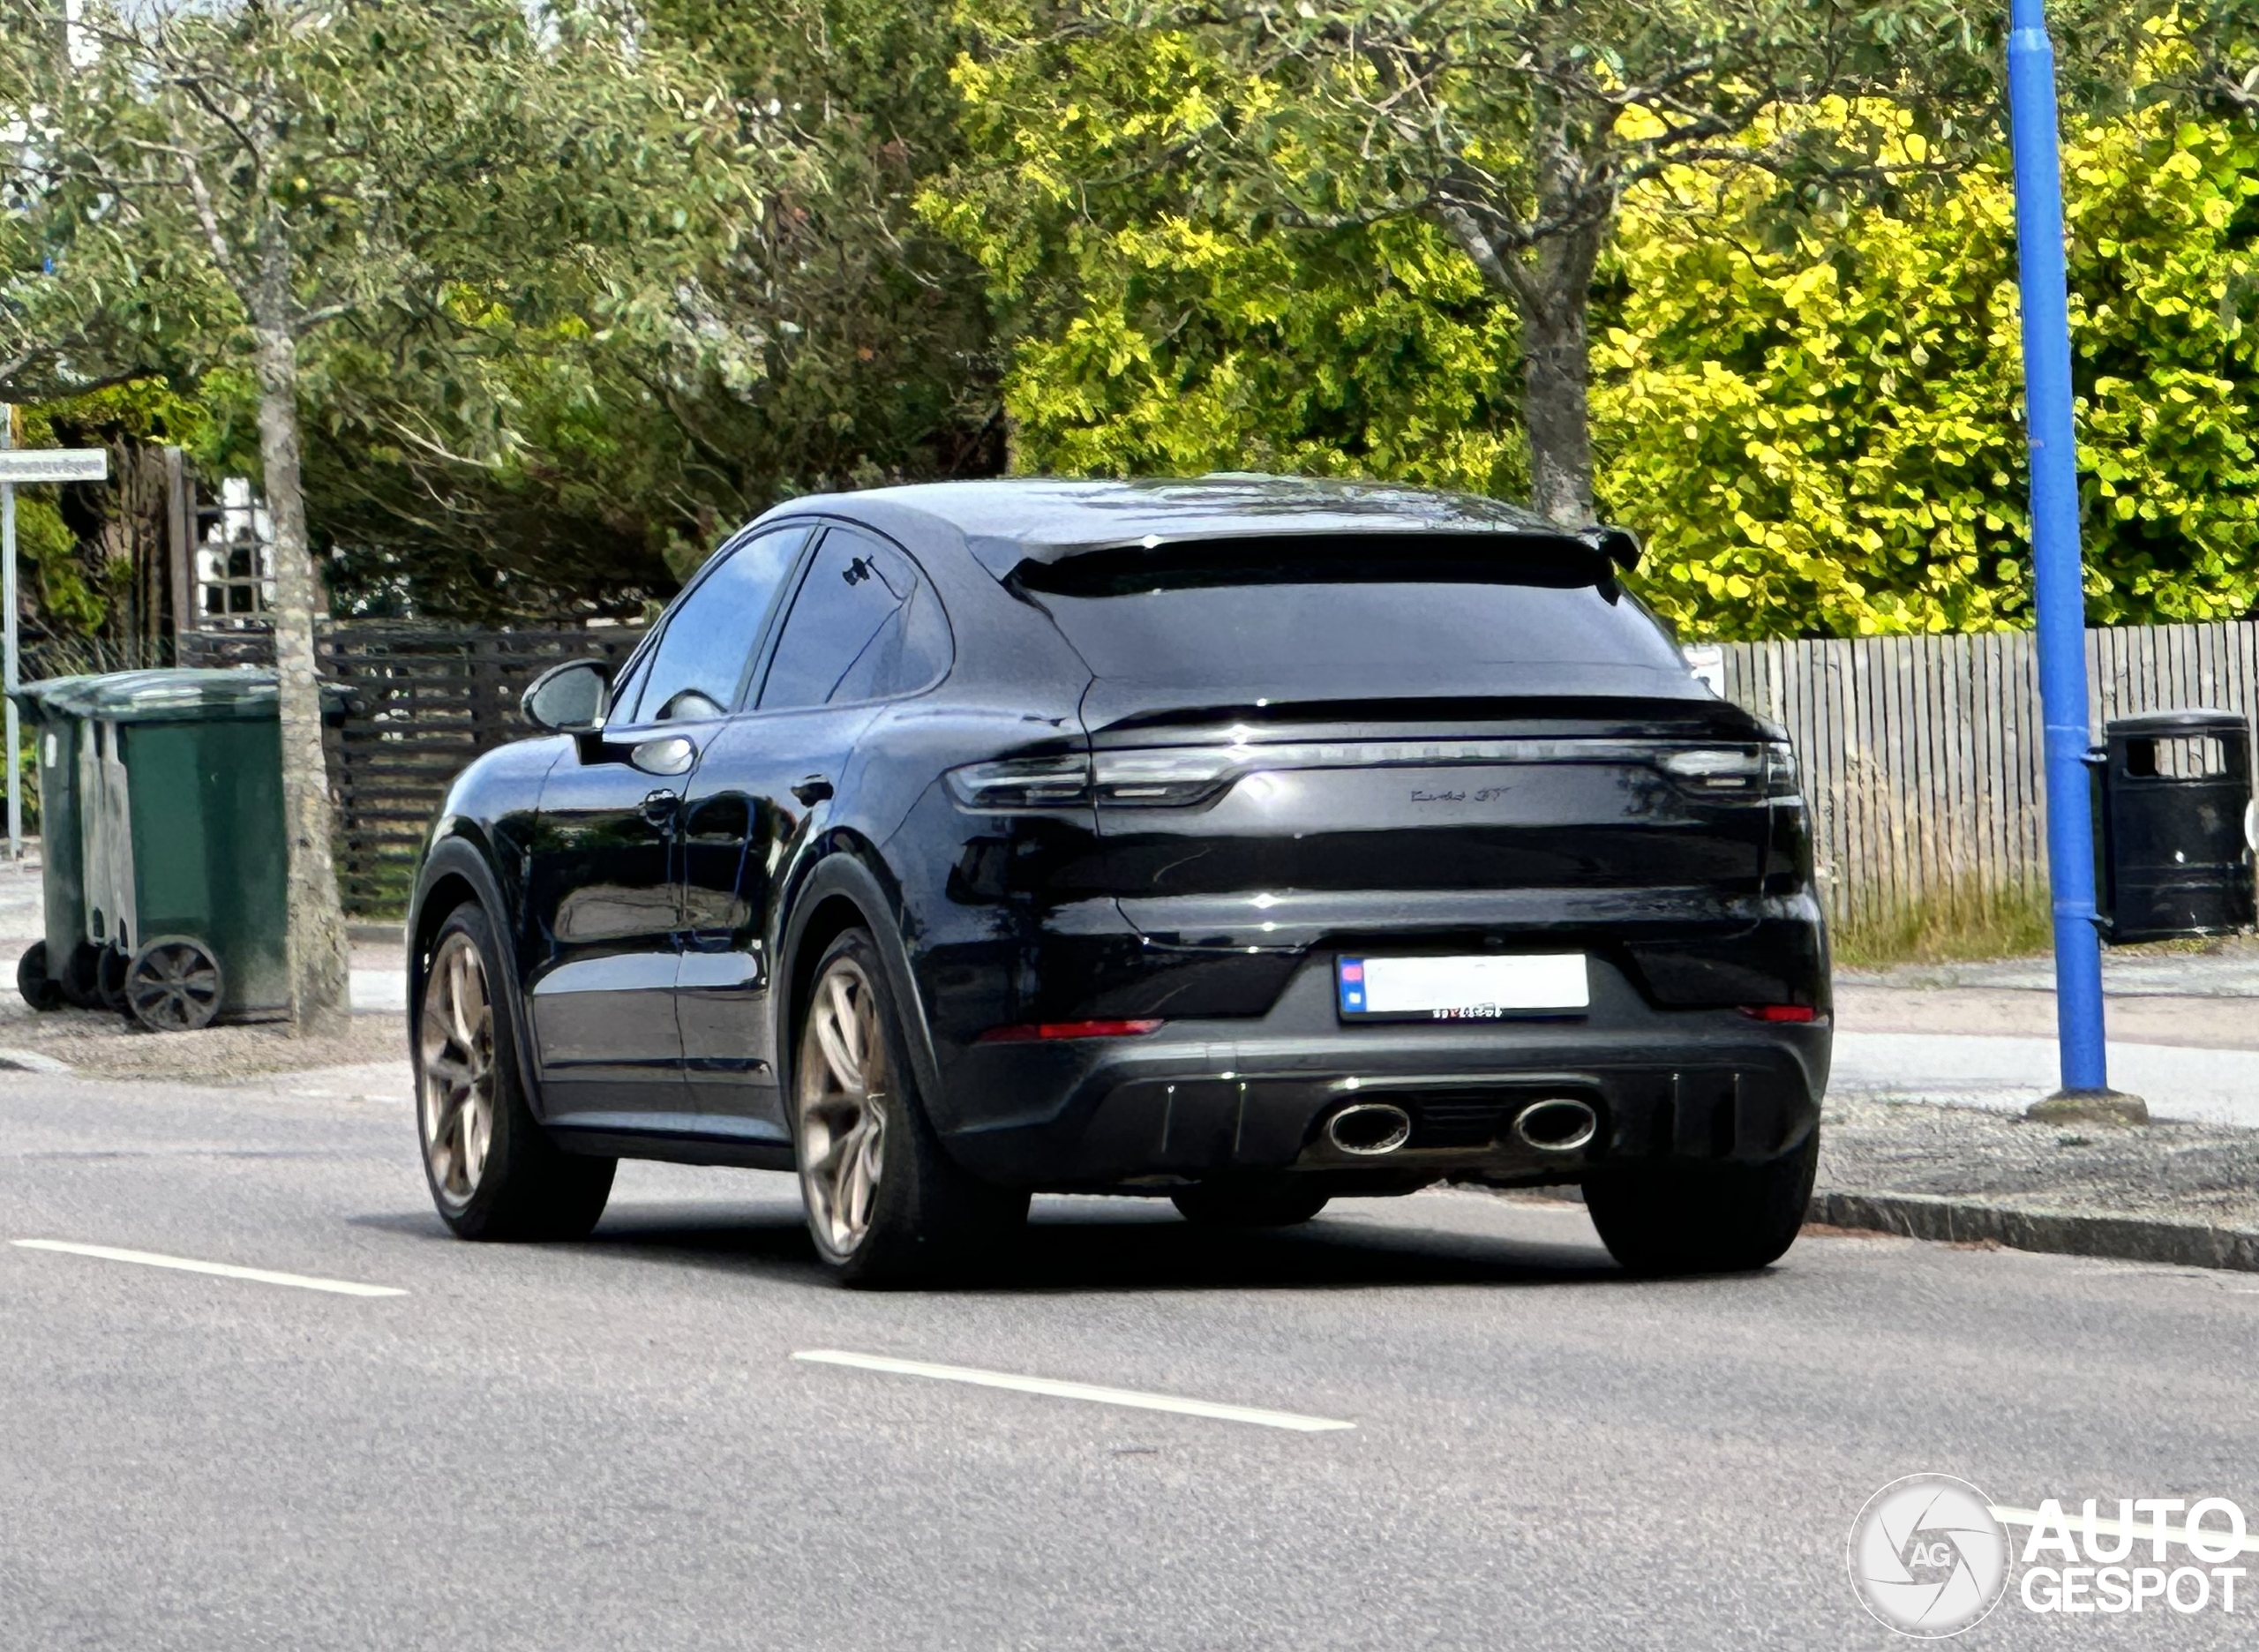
(663, 925)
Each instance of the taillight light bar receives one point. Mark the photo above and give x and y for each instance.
(1166, 776)
(1046, 1032)
(1796, 1013)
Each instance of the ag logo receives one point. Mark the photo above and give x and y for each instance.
(1928, 1556)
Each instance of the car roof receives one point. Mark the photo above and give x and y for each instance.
(1006, 523)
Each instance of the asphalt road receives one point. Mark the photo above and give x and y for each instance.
(609, 1445)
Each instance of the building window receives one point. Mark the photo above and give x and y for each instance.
(235, 558)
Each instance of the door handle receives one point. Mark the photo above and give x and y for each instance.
(669, 754)
(812, 790)
(659, 807)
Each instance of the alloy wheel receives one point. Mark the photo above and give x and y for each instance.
(842, 1081)
(456, 1089)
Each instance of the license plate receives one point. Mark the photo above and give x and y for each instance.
(1461, 988)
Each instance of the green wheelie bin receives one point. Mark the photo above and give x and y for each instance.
(161, 827)
(65, 966)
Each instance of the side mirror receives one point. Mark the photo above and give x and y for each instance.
(574, 698)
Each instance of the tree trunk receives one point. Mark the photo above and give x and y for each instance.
(1550, 285)
(1557, 386)
(319, 1006)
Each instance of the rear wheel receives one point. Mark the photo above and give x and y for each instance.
(1678, 1218)
(493, 1171)
(886, 1205)
(1248, 1204)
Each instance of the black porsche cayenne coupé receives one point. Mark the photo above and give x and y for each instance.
(1245, 841)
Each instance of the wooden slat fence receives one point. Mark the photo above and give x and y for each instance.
(1922, 756)
(420, 701)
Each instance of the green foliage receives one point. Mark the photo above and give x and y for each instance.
(1810, 406)
(1157, 328)
(590, 285)
(582, 291)
(73, 584)
(1818, 422)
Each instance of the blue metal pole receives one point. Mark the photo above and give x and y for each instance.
(2056, 565)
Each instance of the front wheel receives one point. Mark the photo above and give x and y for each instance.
(1679, 1218)
(493, 1171)
(886, 1205)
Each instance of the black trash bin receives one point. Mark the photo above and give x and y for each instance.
(2174, 828)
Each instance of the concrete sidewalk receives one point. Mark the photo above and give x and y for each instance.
(2210, 1086)
(2183, 1029)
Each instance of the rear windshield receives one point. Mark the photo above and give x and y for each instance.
(1337, 625)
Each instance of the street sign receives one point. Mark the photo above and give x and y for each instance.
(20, 465)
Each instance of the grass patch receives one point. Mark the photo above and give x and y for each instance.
(1957, 922)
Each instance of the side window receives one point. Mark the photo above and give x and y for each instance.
(700, 656)
(865, 626)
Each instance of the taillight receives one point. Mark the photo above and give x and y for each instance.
(1798, 1013)
(1752, 771)
(1159, 778)
(1164, 778)
(1023, 782)
(1046, 1031)
(1726, 769)
(1781, 780)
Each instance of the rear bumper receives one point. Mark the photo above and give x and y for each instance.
(1205, 1098)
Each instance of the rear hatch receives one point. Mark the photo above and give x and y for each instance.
(1375, 743)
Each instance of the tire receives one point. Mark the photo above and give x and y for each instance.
(1675, 1219)
(109, 979)
(886, 1205)
(174, 985)
(1247, 1203)
(82, 977)
(493, 1171)
(32, 980)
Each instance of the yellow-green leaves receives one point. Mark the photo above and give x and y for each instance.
(1823, 435)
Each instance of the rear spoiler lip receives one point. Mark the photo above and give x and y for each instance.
(1593, 717)
(1015, 563)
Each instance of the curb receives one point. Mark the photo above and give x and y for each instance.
(362, 934)
(31, 1062)
(2122, 1238)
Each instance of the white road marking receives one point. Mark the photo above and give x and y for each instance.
(2076, 1524)
(224, 1270)
(1074, 1390)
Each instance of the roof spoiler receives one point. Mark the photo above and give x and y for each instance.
(1515, 557)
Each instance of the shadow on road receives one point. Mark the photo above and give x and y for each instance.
(1085, 1248)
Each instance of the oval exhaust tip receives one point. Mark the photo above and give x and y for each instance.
(1369, 1127)
(1558, 1124)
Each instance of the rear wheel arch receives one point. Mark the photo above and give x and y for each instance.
(841, 893)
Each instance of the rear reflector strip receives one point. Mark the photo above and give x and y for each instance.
(1780, 1013)
(1046, 1031)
